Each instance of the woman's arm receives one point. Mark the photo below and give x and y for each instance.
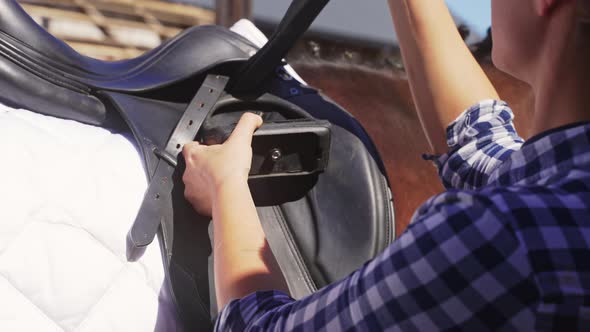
(444, 76)
(243, 261)
(216, 179)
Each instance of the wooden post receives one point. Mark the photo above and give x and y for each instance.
(231, 11)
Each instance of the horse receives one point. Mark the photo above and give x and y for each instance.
(380, 98)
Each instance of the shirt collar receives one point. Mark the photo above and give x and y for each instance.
(547, 155)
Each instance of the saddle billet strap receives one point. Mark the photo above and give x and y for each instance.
(158, 194)
(284, 248)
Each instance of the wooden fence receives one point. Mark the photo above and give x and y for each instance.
(115, 29)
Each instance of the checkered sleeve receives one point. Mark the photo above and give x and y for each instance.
(479, 140)
(457, 266)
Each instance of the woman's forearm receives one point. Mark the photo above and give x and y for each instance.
(243, 261)
(444, 76)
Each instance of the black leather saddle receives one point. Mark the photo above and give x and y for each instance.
(320, 227)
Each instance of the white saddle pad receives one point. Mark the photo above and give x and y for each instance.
(69, 194)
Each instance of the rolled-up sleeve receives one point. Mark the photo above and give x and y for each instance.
(479, 140)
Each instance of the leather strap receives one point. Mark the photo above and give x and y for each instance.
(284, 248)
(158, 194)
(299, 17)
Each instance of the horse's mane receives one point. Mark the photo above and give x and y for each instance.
(349, 66)
(353, 81)
(379, 61)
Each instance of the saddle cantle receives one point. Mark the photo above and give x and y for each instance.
(327, 224)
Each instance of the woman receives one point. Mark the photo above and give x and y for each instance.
(505, 248)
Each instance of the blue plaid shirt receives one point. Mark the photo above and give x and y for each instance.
(507, 247)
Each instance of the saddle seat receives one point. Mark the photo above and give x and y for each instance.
(190, 53)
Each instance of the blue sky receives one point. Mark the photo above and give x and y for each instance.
(374, 21)
(476, 12)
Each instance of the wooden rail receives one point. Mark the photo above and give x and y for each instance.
(115, 29)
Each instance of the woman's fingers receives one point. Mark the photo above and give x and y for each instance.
(190, 148)
(245, 129)
(207, 167)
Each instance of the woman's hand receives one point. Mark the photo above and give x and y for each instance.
(208, 168)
